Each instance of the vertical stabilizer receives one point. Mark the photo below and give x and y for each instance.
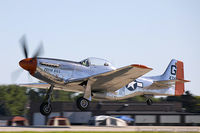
(175, 71)
(170, 72)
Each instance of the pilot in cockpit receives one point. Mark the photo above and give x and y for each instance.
(85, 63)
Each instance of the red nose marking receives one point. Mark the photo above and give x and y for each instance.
(29, 64)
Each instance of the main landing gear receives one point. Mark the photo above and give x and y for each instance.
(82, 103)
(149, 101)
(45, 107)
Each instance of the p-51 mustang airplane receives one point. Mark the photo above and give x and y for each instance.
(98, 79)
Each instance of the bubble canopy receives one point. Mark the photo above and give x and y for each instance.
(93, 61)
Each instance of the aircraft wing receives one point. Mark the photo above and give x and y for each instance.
(114, 80)
(43, 85)
(36, 85)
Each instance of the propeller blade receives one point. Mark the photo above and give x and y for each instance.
(39, 51)
(24, 46)
(29, 77)
(15, 74)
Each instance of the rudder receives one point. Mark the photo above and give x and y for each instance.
(175, 71)
(179, 86)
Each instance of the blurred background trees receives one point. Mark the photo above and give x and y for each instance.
(15, 100)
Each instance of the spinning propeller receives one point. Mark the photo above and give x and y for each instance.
(37, 53)
(28, 64)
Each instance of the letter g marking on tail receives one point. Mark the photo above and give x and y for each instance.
(173, 69)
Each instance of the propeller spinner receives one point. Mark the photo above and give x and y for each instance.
(29, 64)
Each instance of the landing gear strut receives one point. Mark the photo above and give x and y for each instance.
(149, 101)
(82, 103)
(45, 107)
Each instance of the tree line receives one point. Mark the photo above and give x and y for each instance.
(15, 100)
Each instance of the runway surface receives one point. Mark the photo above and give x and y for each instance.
(92, 128)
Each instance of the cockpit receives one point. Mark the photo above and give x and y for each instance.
(92, 61)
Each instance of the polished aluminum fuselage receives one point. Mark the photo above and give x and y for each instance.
(61, 73)
(67, 75)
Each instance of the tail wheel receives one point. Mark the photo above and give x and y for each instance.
(149, 102)
(82, 103)
(45, 108)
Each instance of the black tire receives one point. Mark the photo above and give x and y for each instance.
(82, 103)
(149, 102)
(44, 109)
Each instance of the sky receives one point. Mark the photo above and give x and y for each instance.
(122, 31)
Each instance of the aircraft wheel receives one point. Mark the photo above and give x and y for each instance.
(82, 103)
(45, 108)
(149, 102)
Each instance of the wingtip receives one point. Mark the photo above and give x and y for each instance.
(141, 66)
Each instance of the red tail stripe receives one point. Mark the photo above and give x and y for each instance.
(179, 89)
(180, 70)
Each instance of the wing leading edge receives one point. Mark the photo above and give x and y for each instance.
(36, 85)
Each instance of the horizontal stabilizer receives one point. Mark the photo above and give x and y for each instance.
(171, 82)
(163, 84)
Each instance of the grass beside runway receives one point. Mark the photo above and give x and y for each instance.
(93, 132)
